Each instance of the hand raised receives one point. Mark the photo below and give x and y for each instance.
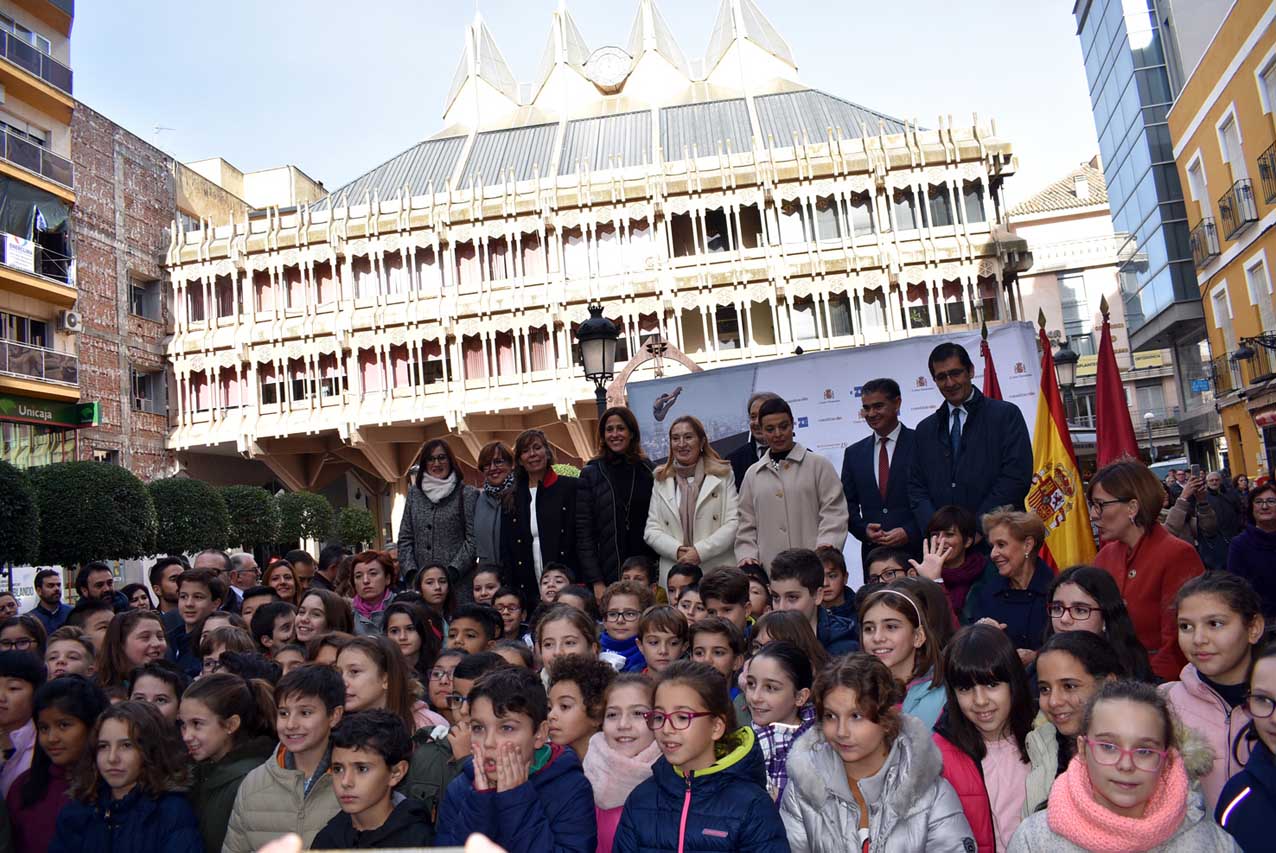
(934, 553)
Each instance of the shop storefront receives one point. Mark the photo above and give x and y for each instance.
(40, 432)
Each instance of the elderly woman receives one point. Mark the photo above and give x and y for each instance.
(612, 500)
(694, 506)
(496, 464)
(438, 523)
(1017, 596)
(1252, 554)
(1148, 564)
(539, 524)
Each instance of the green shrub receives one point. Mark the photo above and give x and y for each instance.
(253, 515)
(92, 511)
(19, 517)
(355, 527)
(303, 515)
(190, 514)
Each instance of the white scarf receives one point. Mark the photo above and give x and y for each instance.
(435, 489)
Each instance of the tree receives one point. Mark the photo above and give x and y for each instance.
(303, 515)
(19, 517)
(253, 515)
(355, 527)
(92, 511)
(190, 514)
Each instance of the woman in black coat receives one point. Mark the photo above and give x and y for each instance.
(612, 500)
(539, 524)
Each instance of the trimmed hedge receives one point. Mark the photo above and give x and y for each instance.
(253, 515)
(19, 517)
(303, 515)
(191, 515)
(355, 527)
(92, 511)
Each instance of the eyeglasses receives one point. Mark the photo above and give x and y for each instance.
(1100, 506)
(1264, 502)
(949, 375)
(508, 608)
(1260, 706)
(891, 575)
(456, 700)
(436, 458)
(21, 644)
(495, 463)
(440, 675)
(1079, 612)
(1144, 758)
(679, 720)
(211, 666)
(622, 615)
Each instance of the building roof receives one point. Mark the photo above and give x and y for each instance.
(482, 59)
(651, 33)
(619, 141)
(750, 24)
(1062, 194)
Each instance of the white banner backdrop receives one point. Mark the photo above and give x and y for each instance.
(823, 388)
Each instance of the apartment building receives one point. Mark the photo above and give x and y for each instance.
(716, 204)
(1224, 143)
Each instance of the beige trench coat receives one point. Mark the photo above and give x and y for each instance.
(797, 504)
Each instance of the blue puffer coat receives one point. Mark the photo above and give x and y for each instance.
(1248, 801)
(139, 823)
(552, 812)
(724, 807)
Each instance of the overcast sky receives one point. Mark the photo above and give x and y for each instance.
(336, 88)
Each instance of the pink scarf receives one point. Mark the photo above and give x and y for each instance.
(614, 776)
(1074, 814)
(366, 610)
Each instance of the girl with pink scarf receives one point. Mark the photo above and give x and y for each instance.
(619, 757)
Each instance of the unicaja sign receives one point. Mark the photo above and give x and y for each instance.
(31, 412)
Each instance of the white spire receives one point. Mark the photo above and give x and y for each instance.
(566, 46)
(742, 20)
(650, 34)
(482, 61)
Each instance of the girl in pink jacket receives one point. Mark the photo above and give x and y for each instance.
(620, 756)
(1219, 623)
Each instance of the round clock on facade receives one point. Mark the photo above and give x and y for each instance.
(608, 67)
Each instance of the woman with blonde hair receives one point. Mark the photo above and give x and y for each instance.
(1017, 596)
(694, 504)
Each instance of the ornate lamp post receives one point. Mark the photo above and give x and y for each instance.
(598, 337)
(1065, 370)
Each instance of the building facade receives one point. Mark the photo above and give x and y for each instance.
(716, 205)
(1131, 51)
(1223, 137)
(1075, 267)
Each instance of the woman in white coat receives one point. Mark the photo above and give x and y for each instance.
(694, 506)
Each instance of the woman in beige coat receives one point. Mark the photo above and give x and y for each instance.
(692, 517)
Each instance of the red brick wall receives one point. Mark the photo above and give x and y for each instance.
(125, 204)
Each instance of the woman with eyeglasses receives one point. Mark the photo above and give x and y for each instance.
(496, 464)
(539, 522)
(612, 501)
(438, 522)
(1086, 598)
(23, 634)
(1148, 564)
(1248, 801)
(694, 514)
(1252, 554)
(1130, 787)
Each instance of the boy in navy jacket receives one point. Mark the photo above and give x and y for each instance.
(523, 793)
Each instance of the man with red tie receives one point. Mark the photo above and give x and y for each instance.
(875, 474)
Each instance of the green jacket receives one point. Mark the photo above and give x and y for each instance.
(215, 784)
(430, 769)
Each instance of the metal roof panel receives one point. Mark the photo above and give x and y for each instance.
(607, 142)
(697, 130)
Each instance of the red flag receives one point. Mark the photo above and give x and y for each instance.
(992, 388)
(1114, 432)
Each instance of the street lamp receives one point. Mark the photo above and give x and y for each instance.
(1148, 417)
(1065, 365)
(597, 337)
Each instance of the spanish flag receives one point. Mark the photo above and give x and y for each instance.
(1056, 494)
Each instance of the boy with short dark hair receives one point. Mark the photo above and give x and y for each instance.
(663, 633)
(721, 644)
(681, 576)
(886, 565)
(954, 527)
(474, 628)
(759, 590)
(725, 593)
(254, 597)
(834, 595)
(522, 792)
(199, 593)
(370, 752)
(796, 578)
(645, 571)
(92, 616)
(623, 604)
(272, 626)
(292, 792)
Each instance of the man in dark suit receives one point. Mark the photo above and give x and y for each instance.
(973, 452)
(875, 474)
(743, 457)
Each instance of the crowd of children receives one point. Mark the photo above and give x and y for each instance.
(730, 708)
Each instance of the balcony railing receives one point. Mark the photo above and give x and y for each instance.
(1204, 242)
(1236, 208)
(39, 363)
(1224, 375)
(26, 56)
(1267, 173)
(1260, 367)
(33, 158)
(47, 263)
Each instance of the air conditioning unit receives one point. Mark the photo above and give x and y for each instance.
(70, 321)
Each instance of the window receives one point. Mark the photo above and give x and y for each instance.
(954, 303)
(24, 330)
(195, 301)
(1078, 319)
(36, 40)
(144, 299)
(717, 231)
(1259, 282)
(839, 305)
(940, 204)
(1267, 85)
(972, 199)
(15, 126)
(1197, 188)
(332, 376)
(904, 207)
(272, 384)
(187, 221)
(827, 225)
(1223, 322)
(792, 222)
(1229, 141)
(1150, 398)
(861, 214)
(109, 455)
(727, 323)
(149, 392)
(806, 324)
(224, 293)
(303, 385)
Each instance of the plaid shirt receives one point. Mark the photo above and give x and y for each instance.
(776, 740)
